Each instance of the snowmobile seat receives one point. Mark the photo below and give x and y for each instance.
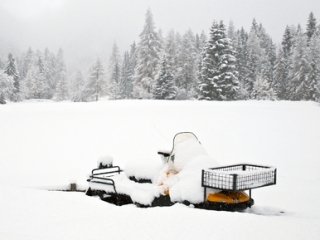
(164, 154)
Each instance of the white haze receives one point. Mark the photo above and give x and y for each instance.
(86, 29)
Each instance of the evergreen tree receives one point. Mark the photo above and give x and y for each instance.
(262, 90)
(115, 73)
(164, 88)
(61, 89)
(218, 74)
(35, 82)
(311, 26)
(148, 58)
(125, 84)
(314, 74)
(170, 49)
(281, 76)
(283, 65)
(6, 87)
(11, 70)
(2, 65)
(287, 42)
(256, 61)
(95, 85)
(54, 71)
(269, 62)
(131, 70)
(161, 39)
(231, 33)
(27, 61)
(242, 64)
(185, 77)
(201, 43)
(77, 87)
(300, 86)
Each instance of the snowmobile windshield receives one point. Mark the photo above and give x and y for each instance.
(183, 136)
(186, 147)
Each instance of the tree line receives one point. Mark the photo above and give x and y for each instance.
(227, 64)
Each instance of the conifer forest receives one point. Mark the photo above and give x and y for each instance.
(221, 63)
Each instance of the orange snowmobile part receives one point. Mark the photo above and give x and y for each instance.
(228, 197)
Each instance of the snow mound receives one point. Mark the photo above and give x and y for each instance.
(181, 176)
(143, 169)
(104, 161)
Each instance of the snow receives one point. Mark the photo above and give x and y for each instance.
(143, 193)
(143, 168)
(46, 145)
(182, 176)
(105, 160)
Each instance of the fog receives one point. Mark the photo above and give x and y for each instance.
(87, 29)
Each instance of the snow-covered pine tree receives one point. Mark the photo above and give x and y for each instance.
(281, 76)
(161, 39)
(131, 70)
(29, 84)
(218, 74)
(35, 82)
(185, 77)
(76, 88)
(256, 60)
(115, 71)
(300, 86)
(147, 59)
(231, 33)
(178, 43)
(314, 60)
(125, 84)
(95, 85)
(61, 90)
(202, 43)
(287, 41)
(262, 90)
(53, 70)
(27, 60)
(204, 91)
(241, 49)
(311, 26)
(6, 87)
(170, 49)
(12, 70)
(266, 43)
(164, 88)
(2, 65)
(283, 65)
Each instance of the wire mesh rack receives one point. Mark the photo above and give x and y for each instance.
(239, 177)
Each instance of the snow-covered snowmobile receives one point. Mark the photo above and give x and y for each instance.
(188, 175)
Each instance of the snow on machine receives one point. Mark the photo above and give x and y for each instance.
(188, 175)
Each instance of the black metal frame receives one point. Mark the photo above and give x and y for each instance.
(103, 177)
(221, 180)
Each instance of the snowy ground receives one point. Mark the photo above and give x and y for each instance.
(46, 145)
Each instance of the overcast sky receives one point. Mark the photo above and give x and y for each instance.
(86, 29)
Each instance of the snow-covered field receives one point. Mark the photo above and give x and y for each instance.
(47, 145)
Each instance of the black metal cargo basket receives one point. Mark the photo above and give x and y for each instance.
(238, 177)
